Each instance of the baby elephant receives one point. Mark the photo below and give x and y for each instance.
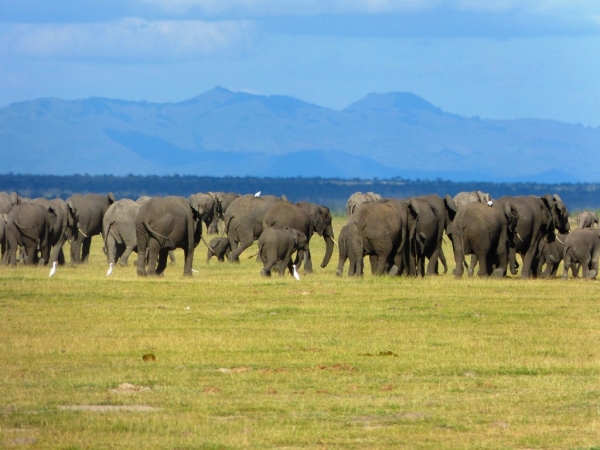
(551, 254)
(276, 246)
(582, 246)
(220, 248)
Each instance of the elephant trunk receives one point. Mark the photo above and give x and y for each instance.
(328, 237)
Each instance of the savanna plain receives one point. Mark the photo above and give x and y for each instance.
(228, 359)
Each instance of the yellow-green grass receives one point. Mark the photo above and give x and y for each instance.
(244, 361)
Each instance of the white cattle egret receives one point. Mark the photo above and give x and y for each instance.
(296, 276)
(257, 194)
(110, 268)
(53, 270)
(490, 203)
(194, 271)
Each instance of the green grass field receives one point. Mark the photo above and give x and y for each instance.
(247, 362)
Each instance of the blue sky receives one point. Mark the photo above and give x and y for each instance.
(498, 59)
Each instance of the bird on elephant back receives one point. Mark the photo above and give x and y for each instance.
(486, 232)
(308, 218)
(87, 212)
(382, 230)
(164, 224)
(244, 221)
(539, 218)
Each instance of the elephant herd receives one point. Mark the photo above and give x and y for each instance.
(400, 236)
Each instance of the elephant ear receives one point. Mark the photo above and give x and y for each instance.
(318, 221)
(111, 198)
(72, 210)
(14, 198)
(511, 213)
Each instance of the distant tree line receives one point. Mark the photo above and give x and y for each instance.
(332, 192)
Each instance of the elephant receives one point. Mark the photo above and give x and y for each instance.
(143, 199)
(276, 247)
(551, 252)
(582, 246)
(3, 219)
(345, 252)
(29, 226)
(487, 232)
(383, 231)
(462, 198)
(435, 216)
(538, 217)
(119, 231)
(244, 221)
(210, 203)
(61, 229)
(219, 247)
(8, 202)
(357, 199)
(164, 224)
(587, 219)
(226, 199)
(307, 218)
(87, 212)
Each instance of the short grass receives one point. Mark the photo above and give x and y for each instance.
(247, 362)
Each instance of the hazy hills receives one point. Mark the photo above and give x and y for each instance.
(228, 133)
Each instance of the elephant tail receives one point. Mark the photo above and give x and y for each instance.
(226, 228)
(164, 241)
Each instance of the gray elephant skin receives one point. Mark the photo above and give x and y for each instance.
(118, 229)
(276, 247)
(463, 198)
(582, 246)
(382, 230)
(164, 224)
(346, 252)
(435, 217)
(551, 252)
(357, 199)
(587, 219)
(225, 199)
(7, 202)
(29, 226)
(487, 232)
(244, 221)
(62, 227)
(539, 217)
(87, 212)
(219, 247)
(307, 218)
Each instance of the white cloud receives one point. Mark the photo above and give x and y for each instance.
(128, 38)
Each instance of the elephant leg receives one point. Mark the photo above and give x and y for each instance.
(236, 251)
(153, 255)
(124, 260)
(173, 260)
(575, 269)
(308, 268)
(432, 266)
(111, 249)
(163, 256)
(269, 259)
(85, 250)
(442, 258)
(527, 263)
(484, 264)
(585, 267)
(472, 264)
(566, 266)
(553, 269)
(76, 250)
(30, 254)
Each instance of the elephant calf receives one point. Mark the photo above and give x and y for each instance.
(550, 255)
(220, 248)
(276, 246)
(582, 246)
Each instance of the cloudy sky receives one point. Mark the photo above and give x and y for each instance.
(490, 58)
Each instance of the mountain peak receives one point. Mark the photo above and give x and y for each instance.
(393, 102)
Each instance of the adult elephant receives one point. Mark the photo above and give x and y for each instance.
(587, 219)
(210, 203)
(62, 227)
(119, 231)
(382, 230)
(29, 226)
(226, 199)
(87, 212)
(164, 224)
(357, 199)
(244, 221)
(539, 217)
(462, 198)
(7, 202)
(487, 232)
(435, 216)
(307, 218)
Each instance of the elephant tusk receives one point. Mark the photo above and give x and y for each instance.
(519, 236)
(558, 239)
(335, 242)
(84, 235)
